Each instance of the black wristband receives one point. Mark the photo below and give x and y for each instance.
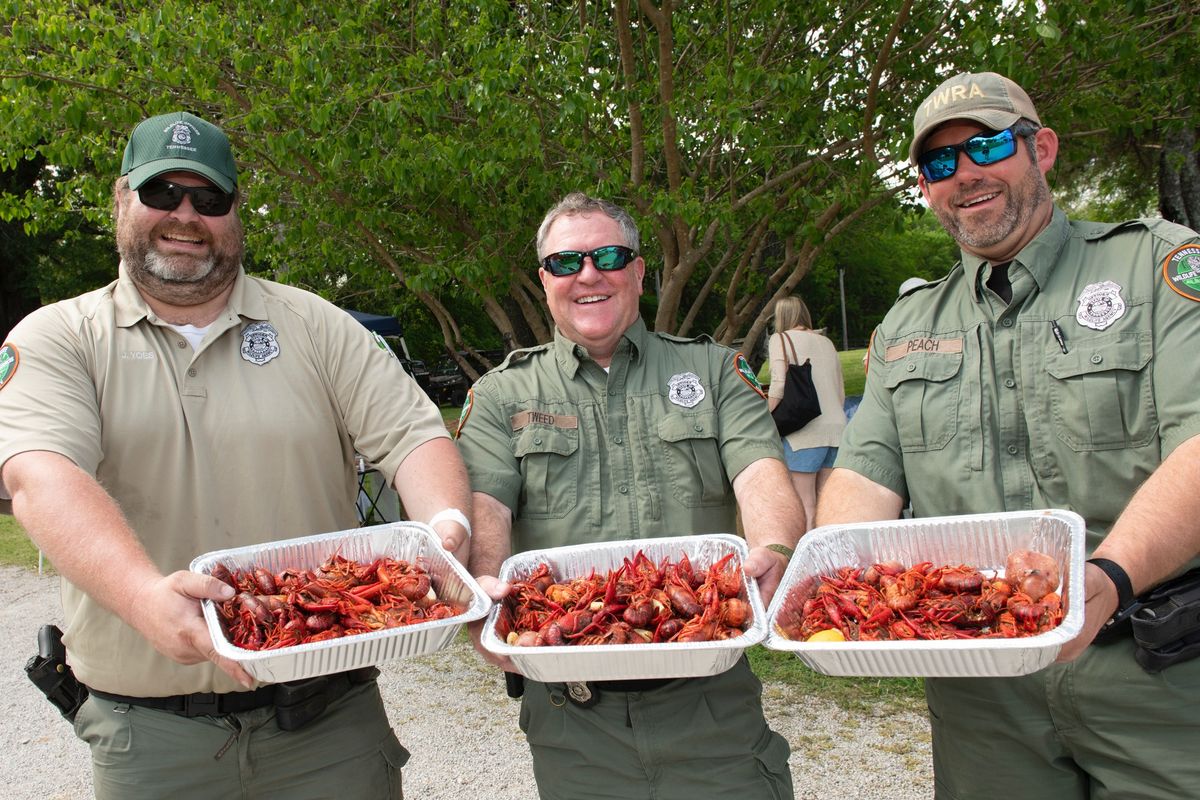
(1120, 579)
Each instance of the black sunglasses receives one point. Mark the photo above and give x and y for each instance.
(606, 259)
(982, 148)
(164, 195)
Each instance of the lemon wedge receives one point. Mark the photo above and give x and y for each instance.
(829, 635)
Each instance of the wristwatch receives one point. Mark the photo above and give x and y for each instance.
(1126, 601)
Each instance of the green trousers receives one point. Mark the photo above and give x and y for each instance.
(348, 752)
(1098, 728)
(691, 739)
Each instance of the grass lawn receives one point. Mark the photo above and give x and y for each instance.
(853, 375)
(15, 547)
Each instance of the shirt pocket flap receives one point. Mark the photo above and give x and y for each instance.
(680, 427)
(936, 368)
(538, 440)
(1130, 351)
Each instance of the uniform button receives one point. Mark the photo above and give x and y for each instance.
(1007, 323)
(617, 440)
(1010, 383)
(698, 428)
(911, 367)
(192, 372)
(623, 489)
(181, 344)
(1096, 359)
(1012, 449)
(537, 440)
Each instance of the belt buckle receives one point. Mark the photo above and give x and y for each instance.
(201, 704)
(582, 694)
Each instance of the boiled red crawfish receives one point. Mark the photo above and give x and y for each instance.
(639, 602)
(890, 601)
(340, 598)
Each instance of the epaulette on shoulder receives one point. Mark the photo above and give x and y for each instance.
(1172, 233)
(522, 354)
(926, 285)
(704, 337)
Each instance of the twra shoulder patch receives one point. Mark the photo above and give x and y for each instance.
(742, 367)
(1181, 271)
(9, 359)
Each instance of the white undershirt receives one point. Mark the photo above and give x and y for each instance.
(193, 334)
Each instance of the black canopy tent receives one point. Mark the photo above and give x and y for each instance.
(381, 324)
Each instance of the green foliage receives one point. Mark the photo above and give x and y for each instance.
(397, 157)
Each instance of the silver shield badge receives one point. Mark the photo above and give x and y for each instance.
(685, 389)
(1100, 305)
(260, 343)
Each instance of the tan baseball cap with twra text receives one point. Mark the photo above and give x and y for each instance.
(987, 98)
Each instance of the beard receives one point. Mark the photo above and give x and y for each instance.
(1023, 200)
(179, 279)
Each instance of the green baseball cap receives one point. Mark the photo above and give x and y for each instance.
(987, 98)
(179, 142)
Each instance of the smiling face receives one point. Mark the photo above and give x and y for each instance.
(995, 210)
(179, 256)
(591, 308)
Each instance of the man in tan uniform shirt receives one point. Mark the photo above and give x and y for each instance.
(188, 407)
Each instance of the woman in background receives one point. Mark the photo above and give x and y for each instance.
(811, 450)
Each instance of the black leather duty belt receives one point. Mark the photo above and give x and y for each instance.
(633, 686)
(210, 704)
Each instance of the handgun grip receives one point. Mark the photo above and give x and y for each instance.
(50, 643)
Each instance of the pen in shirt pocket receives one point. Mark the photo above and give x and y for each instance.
(1058, 336)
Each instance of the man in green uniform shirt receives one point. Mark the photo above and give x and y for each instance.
(188, 407)
(611, 432)
(1054, 366)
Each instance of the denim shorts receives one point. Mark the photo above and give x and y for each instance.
(810, 459)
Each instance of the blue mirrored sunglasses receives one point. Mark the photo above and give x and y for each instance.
(606, 259)
(982, 148)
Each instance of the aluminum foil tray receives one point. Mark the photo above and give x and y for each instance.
(628, 661)
(400, 540)
(983, 541)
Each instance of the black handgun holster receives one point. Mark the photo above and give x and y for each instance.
(1166, 626)
(52, 675)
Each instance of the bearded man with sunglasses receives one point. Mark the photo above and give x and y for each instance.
(188, 407)
(1053, 367)
(610, 433)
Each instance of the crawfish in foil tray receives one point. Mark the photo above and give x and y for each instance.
(889, 601)
(639, 602)
(340, 598)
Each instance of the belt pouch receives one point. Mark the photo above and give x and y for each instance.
(300, 702)
(1170, 613)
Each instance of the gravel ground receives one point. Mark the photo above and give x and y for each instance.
(451, 711)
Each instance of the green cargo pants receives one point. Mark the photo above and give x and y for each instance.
(1099, 727)
(349, 751)
(691, 739)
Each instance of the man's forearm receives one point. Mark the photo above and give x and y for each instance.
(79, 527)
(432, 478)
(849, 497)
(1157, 533)
(771, 511)
(493, 535)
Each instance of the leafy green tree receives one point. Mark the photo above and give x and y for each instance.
(405, 152)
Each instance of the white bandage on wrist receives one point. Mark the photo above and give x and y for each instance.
(454, 515)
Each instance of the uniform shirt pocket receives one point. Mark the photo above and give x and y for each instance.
(1101, 397)
(926, 392)
(549, 471)
(692, 458)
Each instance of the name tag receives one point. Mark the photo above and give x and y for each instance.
(523, 418)
(923, 345)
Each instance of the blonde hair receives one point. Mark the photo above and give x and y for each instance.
(790, 312)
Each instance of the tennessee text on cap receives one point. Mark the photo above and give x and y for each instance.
(987, 98)
(179, 142)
